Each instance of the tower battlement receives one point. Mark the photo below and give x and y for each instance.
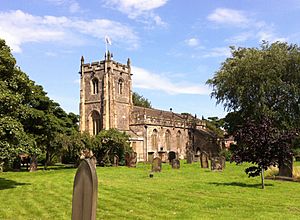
(100, 65)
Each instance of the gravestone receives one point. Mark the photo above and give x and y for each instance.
(150, 156)
(33, 164)
(162, 155)
(116, 161)
(85, 192)
(175, 164)
(171, 156)
(204, 160)
(216, 164)
(286, 170)
(131, 159)
(156, 165)
(223, 162)
(189, 156)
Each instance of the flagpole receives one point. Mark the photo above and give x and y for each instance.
(107, 41)
(105, 47)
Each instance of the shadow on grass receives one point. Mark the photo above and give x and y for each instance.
(57, 167)
(256, 185)
(9, 184)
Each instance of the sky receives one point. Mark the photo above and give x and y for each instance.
(175, 46)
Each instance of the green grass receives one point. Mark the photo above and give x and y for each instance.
(129, 193)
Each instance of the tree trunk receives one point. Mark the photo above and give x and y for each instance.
(262, 178)
(47, 161)
(33, 163)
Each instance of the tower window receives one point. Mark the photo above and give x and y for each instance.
(95, 86)
(120, 86)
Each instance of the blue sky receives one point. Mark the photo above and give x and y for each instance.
(174, 45)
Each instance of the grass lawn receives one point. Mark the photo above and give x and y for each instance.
(129, 193)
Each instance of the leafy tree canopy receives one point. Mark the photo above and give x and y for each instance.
(139, 100)
(261, 81)
(109, 143)
(261, 88)
(29, 120)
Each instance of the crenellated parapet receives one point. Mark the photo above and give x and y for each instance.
(146, 116)
(100, 66)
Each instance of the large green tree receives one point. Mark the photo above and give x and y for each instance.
(29, 121)
(258, 85)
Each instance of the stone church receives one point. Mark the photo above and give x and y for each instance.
(106, 102)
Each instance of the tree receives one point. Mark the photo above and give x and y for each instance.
(262, 144)
(139, 100)
(15, 87)
(109, 143)
(261, 86)
(30, 122)
(215, 125)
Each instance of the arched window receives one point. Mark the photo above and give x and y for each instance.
(168, 140)
(178, 140)
(120, 86)
(154, 140)
(95, 86)
(95, 123)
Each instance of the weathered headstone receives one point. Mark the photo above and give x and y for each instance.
(171, 156)
(150, 156)
(33, 164)
(156, 164)
(216, 164)
(204, 160)
(189, 156)
(131, 159)
(175, 164)
(162, 155)
(196, 158)
(116, 161)
(223, 162)
(85, 192)
(286, 170)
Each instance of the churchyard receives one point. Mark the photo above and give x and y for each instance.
(189, 192)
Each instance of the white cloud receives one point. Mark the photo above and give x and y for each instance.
(147, 80)
(242, 37)
(138, 8)
(268, 34)
(72, 5)
(18, 27)
(229, 17)
(192, 42)
(259, 33)
(255, 29)
(51, 54)
(218, 52)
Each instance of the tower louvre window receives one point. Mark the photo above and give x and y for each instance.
(95, 86)
(120, 86)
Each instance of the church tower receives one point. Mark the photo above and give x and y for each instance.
(105, 95)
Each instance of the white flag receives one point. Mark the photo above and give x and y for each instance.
(107, 40)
